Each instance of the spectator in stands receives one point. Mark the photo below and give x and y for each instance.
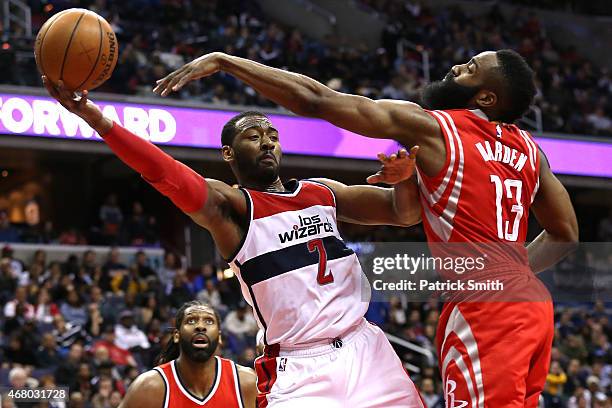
(65, 374)
(241, 324)
(207, 272)
(143, 270)
(73, 310)
(21, 299)
(111, 217)
(181, 290)
(397, 315)
(211, 295)
(18, 378)
(128, 335)
(428, 392)
(8, 233)
(82, 381)
(110, 267)
(127, 282)
(48, 353)
(119, 356)
(102, 397)
(555, 380)
(67, 333)
(8, 283)
(94, 320)
(166, 273)
(141, 229)
(16, 265)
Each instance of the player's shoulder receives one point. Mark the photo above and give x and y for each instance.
(248, 384)
(246, 375)
(148, 389)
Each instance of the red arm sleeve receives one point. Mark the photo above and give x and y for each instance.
(186, 188)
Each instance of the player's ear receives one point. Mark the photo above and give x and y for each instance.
(228, 153)
(486, 99)
(175, 336)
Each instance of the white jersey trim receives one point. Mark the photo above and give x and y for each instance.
(186, 393)
(237, 385)
(167, 384)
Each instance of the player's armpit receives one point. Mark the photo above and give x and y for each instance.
(554, 211)
(148, 390)
(224, 215)
(371, 205)
(248, 386)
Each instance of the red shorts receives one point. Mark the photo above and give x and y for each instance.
(494, 354)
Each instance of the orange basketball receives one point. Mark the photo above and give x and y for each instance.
(78, 47)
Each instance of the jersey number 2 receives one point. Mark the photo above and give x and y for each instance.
(517, 206)
(323, 277)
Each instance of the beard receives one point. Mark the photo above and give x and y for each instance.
(447, 94)
(198, 355)
(256, 171)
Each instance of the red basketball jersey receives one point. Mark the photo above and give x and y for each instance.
(484, 191)
(225, 392)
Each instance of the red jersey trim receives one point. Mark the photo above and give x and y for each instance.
(266, 204)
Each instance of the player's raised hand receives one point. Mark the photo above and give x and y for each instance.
(396, 167)
(79, 105)
(198, 68)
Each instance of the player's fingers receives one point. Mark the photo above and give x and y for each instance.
(374, 178)
(169, 86)
(402, 153)
(414, 150)
(393, 157)
(186, 78)
(381, 157)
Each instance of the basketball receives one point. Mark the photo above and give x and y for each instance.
(78, 47)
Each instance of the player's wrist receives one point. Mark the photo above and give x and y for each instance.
(101, 125)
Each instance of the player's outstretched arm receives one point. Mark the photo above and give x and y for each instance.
(248, 386)
(403, 121)
(371, 205)
(210, 203)
(147, 390)
(554, 211)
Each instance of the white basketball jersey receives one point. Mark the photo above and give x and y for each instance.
(304, 283)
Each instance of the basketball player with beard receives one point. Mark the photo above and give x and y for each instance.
(479, 175)
(189, 374)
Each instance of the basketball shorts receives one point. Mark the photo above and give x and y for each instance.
(494, 354)
(358, 370)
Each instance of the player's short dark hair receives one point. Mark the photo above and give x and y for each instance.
(519, 84)
(229, 131)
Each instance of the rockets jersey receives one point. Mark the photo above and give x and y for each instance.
(484, 191)
(225, 392)
(304, 283)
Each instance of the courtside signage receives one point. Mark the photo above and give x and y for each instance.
(36, 116)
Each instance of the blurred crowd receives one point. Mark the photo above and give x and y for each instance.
(94, 324)
(157, 37)
(112, 226)
(573, 93)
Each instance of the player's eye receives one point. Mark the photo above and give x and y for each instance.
(191, 321)
(210, 321)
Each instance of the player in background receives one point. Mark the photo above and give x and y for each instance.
(479, 175)
(305, 285)
(189, 374)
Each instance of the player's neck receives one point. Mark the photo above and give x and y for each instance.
(198, 378)
(275, 187)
